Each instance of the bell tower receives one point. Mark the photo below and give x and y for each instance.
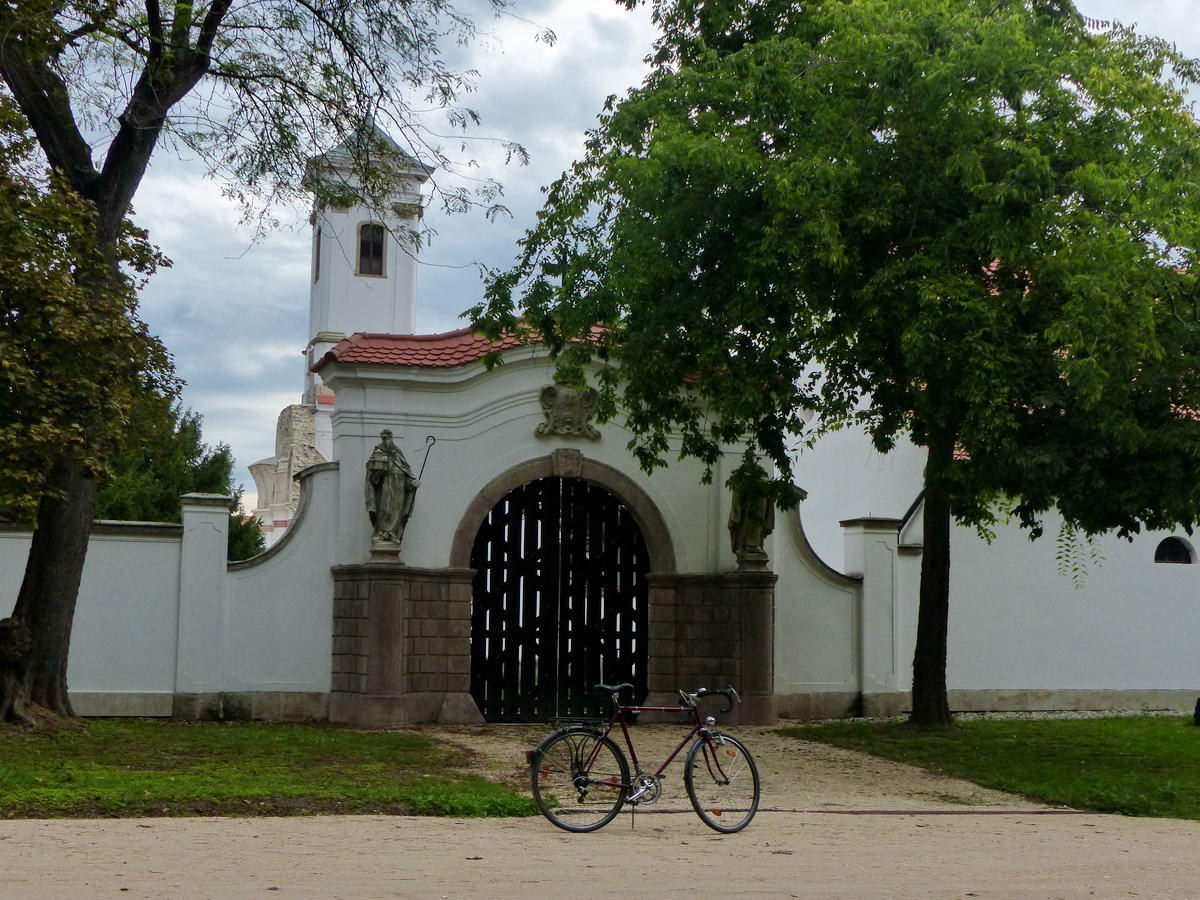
(363, 278)
(364, 253)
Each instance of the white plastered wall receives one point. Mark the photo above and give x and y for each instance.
(279, 606)
(1016, 622)
(816, 619)
(160, 612)
(124, 636)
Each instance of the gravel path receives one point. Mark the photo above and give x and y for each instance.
(834, 824)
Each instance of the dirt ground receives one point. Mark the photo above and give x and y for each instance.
(832, 824)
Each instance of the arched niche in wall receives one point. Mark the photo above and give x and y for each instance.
(1174, 550)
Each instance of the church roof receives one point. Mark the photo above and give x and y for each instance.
(451, 348)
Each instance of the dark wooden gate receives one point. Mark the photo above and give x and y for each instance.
(560, 602)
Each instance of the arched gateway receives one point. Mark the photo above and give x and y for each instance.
(559, 601)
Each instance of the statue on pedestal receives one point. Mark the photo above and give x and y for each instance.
(391, 489)
(751, 519)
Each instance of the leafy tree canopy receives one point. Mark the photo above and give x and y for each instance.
(252, 88)
(165, 457)
(968, 223)
(71, 361)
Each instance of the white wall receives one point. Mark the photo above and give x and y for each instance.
(847, 479)
(279, 606)
(1015, 622)
(161, 612)
(126, 617)
(816, 618)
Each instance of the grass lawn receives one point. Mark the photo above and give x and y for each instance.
(1138, 766)
(155, 767)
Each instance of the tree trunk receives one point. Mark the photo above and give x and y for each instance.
(930, 707)
(36, 640)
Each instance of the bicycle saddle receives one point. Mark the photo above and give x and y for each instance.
(614, 688)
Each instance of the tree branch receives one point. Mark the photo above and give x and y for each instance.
(212, 23)
(44, 100)
(154, 28)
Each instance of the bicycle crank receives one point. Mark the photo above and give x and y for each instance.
(645, 789)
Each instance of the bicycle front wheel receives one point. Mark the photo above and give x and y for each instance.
(722, 782)
(580, 779)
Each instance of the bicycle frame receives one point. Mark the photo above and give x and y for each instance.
(618, 718)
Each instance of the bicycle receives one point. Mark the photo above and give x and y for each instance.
(581, 778)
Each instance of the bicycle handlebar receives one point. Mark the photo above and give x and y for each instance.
(728, 692)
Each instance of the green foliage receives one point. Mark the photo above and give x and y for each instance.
(245, 533)
(72, 358)
(164, 458)
(132, 767)
(1076, 554)
(972, 225)
(1137, 766)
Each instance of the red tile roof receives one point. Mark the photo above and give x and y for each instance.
(452, 348)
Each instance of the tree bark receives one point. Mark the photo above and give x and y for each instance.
(36, 640)
(930, 706)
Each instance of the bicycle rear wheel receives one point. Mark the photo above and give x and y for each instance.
(580, 779)
(722, 782)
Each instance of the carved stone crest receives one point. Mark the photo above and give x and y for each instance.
(568, 410)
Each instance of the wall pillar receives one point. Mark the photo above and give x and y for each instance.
(710, 631)
(401, 646)
(871, 554)
(201, 631)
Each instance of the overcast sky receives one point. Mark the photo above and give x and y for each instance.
(235, 314)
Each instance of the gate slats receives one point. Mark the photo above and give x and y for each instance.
(516, 570)
(616, 666)
(559, 602)
(546, 698)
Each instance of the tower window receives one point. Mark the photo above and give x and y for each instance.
(370, 249)
(1173, 550)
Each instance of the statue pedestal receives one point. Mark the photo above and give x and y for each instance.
(752, 562)
(385, 551)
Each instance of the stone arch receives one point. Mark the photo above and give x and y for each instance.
(568, 464)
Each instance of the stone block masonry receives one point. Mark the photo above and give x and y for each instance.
(711, 631)
(401, 646)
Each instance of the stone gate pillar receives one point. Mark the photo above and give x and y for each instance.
(401, 646)
(713, 630)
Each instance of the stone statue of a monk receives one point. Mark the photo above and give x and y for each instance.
(751, 519)
(391, 488)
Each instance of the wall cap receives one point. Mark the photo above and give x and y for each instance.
(875, 523)
(205, 500)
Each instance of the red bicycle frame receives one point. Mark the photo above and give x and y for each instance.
(618, 718)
